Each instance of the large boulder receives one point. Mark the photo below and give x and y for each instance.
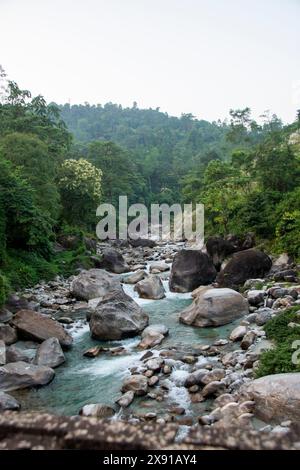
(21, 351)
(7, 402)
(219, 249)
(150, 288)
(117, 316)
(94, 283)
(113, 261)
(8, 334)
(244, 265)
(49, 354)
(17, 375)
(214, 307)
(38, 327)
(190, 269)
(276, 397)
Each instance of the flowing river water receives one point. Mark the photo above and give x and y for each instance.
(81, 380)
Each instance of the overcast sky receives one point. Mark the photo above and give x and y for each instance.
(198, 56)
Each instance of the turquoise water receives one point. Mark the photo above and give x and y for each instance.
(84, 380)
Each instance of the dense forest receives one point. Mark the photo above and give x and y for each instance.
(57, 163)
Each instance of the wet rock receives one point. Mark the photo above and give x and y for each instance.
(214, 307)
(190, 269)
(126, 399)
(277, 292)
(156, 328)
(150, 340)
(248, 340)
(213, 376)
(238, 333)
(135, 277)
(18, 375)
(97, 410)
(117, 316)
(2, 353)
(195, 378)
(212, 388)
(276, 397)
(150, 288)
(155, 364)
(7, 402)
(289, 275)
(159, 267)
(24, 351)
(113, 261)
(256, 297)
(153, 381)
(194, 389)
(65, 320)
(263, 315)
(94, 351)
(36, 326)
(49, 354)
(167, 369)
(94, 283)
(136, 383)
(244, 265)
(224, 399)
(8, 334)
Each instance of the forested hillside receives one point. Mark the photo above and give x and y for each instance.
(247, 175)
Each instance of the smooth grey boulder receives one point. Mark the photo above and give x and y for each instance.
(94, 283)
(214, 307)
(150, 288)
(117, 316)
(49, 354)
(18, 375)
(21, 351)
(191, 269)
(38, 327)
(276, 397)
(7, 402)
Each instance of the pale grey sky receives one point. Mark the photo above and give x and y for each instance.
(198, 56)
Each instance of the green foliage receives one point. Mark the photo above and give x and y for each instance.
(279, 359)
(4, 289)
(31, 156)
(79, 183)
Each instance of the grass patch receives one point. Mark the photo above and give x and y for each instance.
(279, 359)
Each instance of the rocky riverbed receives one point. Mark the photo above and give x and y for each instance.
(153, 334)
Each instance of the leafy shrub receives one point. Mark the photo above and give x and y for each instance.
(279, 359)
(4, 289)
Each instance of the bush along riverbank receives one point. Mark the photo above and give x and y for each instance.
(163, 334)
